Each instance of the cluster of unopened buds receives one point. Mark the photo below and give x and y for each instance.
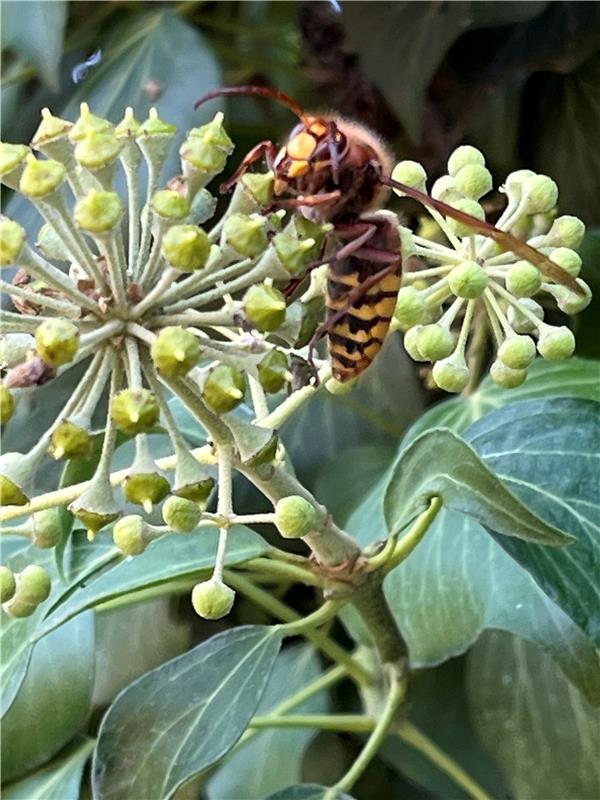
(155, 307)
(467, 279)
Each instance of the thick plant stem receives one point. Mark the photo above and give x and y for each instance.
(351, 723)
(369, 600)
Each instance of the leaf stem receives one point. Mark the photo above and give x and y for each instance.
(351, 723)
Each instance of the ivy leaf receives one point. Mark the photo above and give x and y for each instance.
(526, 713)
(306, 791)
(465, 484)
(59, 780)
(547, 452)
(177, 720)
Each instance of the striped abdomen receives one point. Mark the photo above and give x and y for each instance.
(357, 337)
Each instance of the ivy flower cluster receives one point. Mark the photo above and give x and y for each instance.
(468, 279)
(157, 303)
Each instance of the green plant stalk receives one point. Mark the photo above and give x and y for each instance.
(64, 307)
(224, 505)
(285, 571)
(350, 723)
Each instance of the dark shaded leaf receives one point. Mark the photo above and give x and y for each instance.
(59, 780)
(35, 31)
(305, 791)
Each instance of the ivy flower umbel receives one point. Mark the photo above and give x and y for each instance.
(468, 279)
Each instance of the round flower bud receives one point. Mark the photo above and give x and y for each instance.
(50, 129)
(506, 377)
(260, 186)
(11, 156)
(135, 411)
(294, 254)
(41, 178)
(445, 189)
(51, 244)
(517, 352)
(169, 205)
(463, 156)
(451, 374)
(97, 149)
(411, 173)
(98, 212)
(410, 343)
(12, 239)
(410, 308)
(523, 279)
(47, 528)
(57, 341)
(212, 599)
(129, 125)
(566, 231)
(570, 302)
(264, 307)
(70, 440)
(146, 489)
(515, 180)
(8, 584)
(521, 323)
(468, 280)
(224, 388)
(539, 194)
(295, 517)
(12, 492)
(434, 342)
(86, 122)
(273, 371)
(469, 207)
(203, 156)
(175, 351)
(214, 132)
(473, 180)
(128, 535)
(567, 259)
(155, 126)
(181, 515)
(186, 247)
(246, 234)
(7, 404)
(556, 344)
(33, 584)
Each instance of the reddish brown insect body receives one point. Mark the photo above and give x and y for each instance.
(334, 170)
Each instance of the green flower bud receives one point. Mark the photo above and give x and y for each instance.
(170, 205)
(203, 207)
(519, 322)
(468, 280)
(50, 129)
(506, 377)
(567, 259)
(411, 343)
(202, 156)
(41, 178)
(13, 491)
(88, 122)
(224, 388)
(246, 234)
(70, 440)
(311, 318)
(473, 180)
(146, 489)
(33, 584)
(12, 156)
(539, 194)
(175, 351)
(128, 535)
(57, 341)
(264, 307)
(568, 301)
(129, 125)
(434, 342)
(294, 254)
(192, 480)
(214, 133)
(445, 189)
(212, 599)
(181, 515)
(97, 506)
(98, 212)
(517, 352)
(8, 584)
(186, 247)
(295, 517)
(155, 126)
(47, 528)
(12, 239)
(273, 371)
(135, 411)
(451, 374)
(51, 244)
(566, 231)
(7, 404)
(463, 156)
(514, 182)
(410, 308)
(523, 279)
(410, 173)
(470, 207)
(260, 186)
(556, 344)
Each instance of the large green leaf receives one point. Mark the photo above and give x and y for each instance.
(305, 791)
(543, 733)
(53, 700)
(174, 556)
(179, 719)
(576, 377)
(465, 484)
(59, 780)
(273, 759)
(548, 453)
(35, 31)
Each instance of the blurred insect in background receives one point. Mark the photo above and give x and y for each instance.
(81, 70)
(335, 170)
